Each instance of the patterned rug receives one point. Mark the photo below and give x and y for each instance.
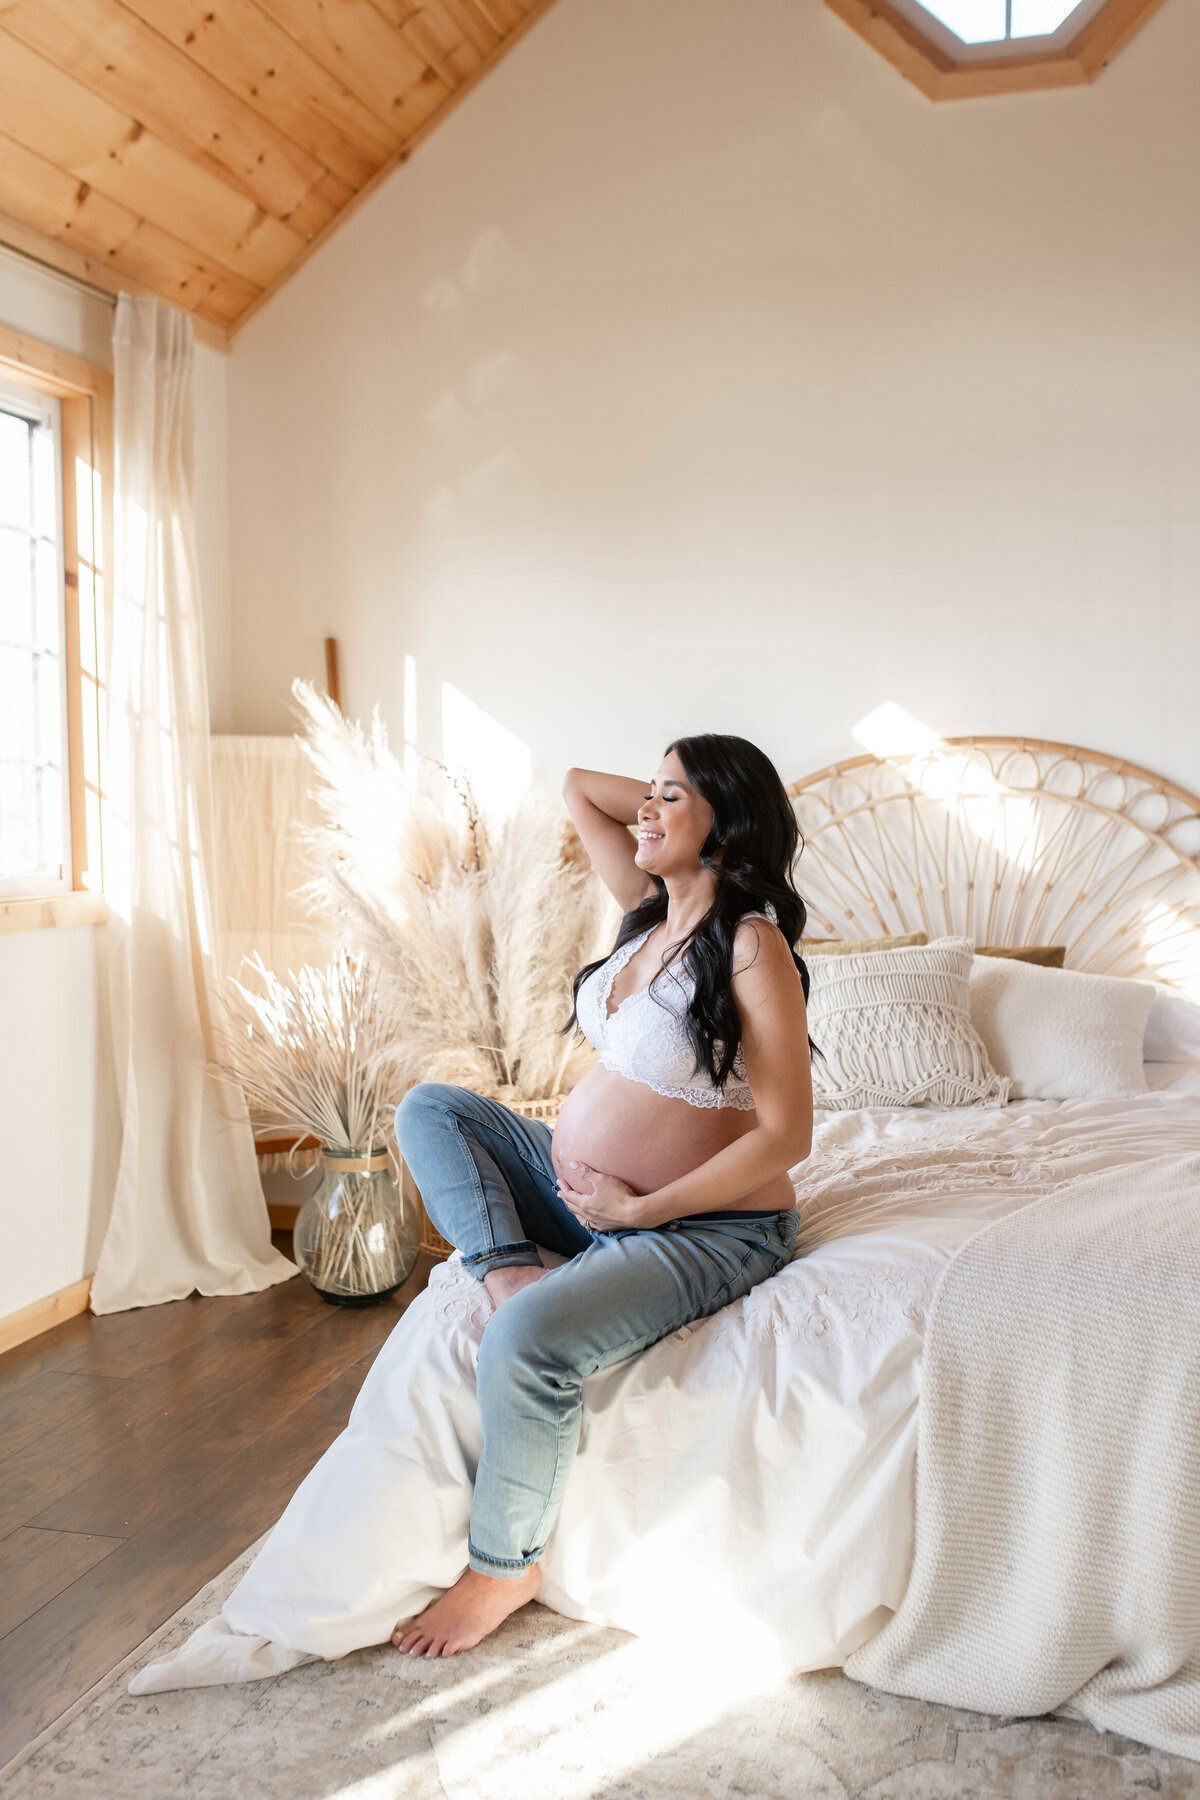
(548, 1709)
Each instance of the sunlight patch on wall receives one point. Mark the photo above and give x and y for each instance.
(888, 730)
(1172, 946)
(411, 752)
(960, 781)
(497, 763)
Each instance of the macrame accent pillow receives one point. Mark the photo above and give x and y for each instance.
(895, 1029)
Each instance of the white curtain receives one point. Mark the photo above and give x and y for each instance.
(188, 1211)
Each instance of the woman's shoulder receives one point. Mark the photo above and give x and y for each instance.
(756, 936)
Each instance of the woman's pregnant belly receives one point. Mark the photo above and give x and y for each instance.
(624, 1128)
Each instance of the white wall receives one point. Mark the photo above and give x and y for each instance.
(59, 1120)
(698, 374)
(58, 1110)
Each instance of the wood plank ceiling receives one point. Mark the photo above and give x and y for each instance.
(200, 149)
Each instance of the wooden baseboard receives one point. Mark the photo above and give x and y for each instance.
(44, 1314)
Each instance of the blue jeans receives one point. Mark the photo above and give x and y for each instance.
(489, 1186)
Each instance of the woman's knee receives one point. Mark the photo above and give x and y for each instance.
(532, 1341)
(428, 1105)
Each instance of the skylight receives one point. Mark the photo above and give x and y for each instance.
(1004, 22)
(966, 49)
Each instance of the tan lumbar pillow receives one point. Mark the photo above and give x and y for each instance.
(1044, 956)
(859, 946)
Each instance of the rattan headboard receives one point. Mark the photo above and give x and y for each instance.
(1008, 841)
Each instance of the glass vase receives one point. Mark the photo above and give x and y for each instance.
(354, 1239)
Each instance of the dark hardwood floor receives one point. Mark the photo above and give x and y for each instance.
(140, 1453)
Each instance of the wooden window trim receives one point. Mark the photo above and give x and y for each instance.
(939, 77)
(86, 396)
(53, 913)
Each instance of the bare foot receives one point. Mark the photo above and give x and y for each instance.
(503, 1283)
(466, 1613)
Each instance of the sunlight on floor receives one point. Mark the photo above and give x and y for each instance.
(585, 1706)
(601, 1723)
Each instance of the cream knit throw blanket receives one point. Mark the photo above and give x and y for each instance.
(1057, 1562)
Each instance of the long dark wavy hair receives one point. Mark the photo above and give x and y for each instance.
(755, 828)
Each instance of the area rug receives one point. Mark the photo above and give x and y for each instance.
(548, 1709)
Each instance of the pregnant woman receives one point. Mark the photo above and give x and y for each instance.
(664, 1184)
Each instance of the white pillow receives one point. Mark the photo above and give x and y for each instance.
(1173, 1029)
(895, 1029)
(1060, 1034)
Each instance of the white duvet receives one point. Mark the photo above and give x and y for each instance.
(754, 1470)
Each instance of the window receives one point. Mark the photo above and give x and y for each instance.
(35, 821)
(55, 517)
(965, 49)
(999, 25)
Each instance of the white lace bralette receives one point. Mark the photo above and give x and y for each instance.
(646, 1039)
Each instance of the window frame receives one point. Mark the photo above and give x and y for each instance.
(35, 408)
(940, 76)
(85, 395)
(926, 16)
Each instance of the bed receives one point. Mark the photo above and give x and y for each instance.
(753, 1473)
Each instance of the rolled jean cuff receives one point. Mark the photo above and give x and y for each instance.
(494, 1565)
(503, 1256)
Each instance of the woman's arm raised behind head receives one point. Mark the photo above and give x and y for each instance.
(603, 808)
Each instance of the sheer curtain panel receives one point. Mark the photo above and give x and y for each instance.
(188, 1211)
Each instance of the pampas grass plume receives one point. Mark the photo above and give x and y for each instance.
(475, 930)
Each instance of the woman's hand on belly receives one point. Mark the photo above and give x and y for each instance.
(641, 1138)
(601, 1201)
(643, 1141)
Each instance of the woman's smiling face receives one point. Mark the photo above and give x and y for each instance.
(673, 822)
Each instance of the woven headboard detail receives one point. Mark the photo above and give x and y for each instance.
(1008, 841)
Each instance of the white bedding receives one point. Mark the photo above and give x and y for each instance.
(755, 1468)
(1057, 1557)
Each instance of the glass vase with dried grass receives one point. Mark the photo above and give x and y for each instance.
(314, 1054)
